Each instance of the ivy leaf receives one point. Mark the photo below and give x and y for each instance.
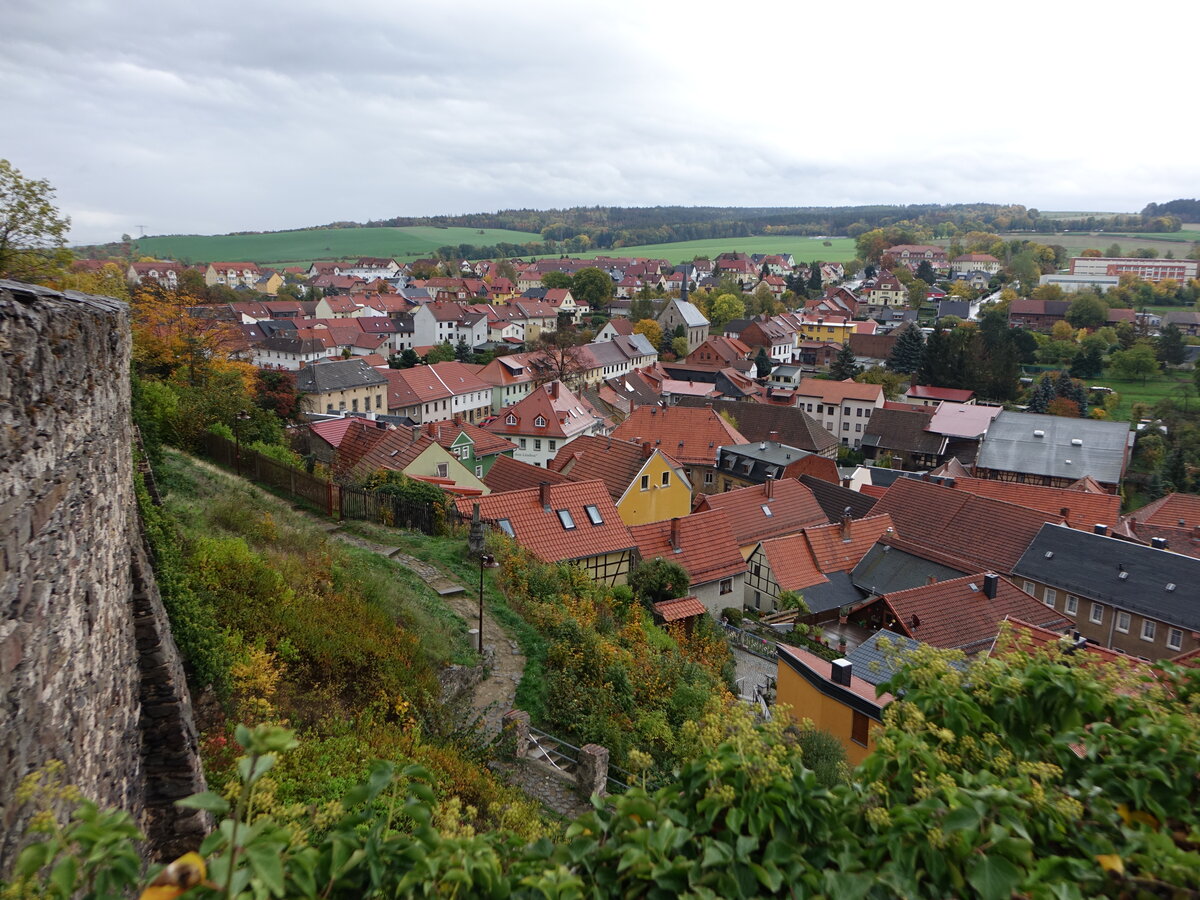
(64, 875)
(1111, 862)
(959, 819)
(264, 858)
(32, 858)
(994, 877)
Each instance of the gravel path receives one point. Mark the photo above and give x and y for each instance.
(751, 671)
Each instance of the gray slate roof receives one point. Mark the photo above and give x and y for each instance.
(1012, 446)
(837, 592)
(340, 375)
(692, 317)
(834, 499)
(885, 570)
(870, 661)
(1090, 565)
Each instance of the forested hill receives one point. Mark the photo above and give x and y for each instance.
(613, 226)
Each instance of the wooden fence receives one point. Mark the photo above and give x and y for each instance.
(331, 499)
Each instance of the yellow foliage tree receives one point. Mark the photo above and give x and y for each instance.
(651, 329)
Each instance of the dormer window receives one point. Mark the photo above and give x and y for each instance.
(540, 422)
(510, 419)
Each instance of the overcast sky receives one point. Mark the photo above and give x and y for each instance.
(228, 116)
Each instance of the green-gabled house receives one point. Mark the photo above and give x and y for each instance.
(469, 444)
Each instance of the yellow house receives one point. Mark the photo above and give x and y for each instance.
(825, 328)
(344, 385)
(832, 697)
(645, 484)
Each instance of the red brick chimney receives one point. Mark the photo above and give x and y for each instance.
(846, 520)
(769, 488)
(544, 492)
(647, 449)
(675, 533)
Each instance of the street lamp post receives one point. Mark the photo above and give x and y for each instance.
(485, 562)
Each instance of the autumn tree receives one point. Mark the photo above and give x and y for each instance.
(658, 579)
(556, 280)
(1139, 361)
(33, 236)
(1087, 311)
(559, 358)
(725, 309)
(651, 329)
(593, 287)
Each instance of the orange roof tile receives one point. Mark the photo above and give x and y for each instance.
(837, 391)
(357, 441)
(792, 562)
(990, 532)
(508, 474)
(766, 510)
(537, 526)
(680, 608)
(1083, 509)
(704, 546)
(615, 462)
(1176, 510)
(691, 435)
(958, 614)
(839, 548)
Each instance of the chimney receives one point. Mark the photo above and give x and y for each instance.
(544, 492)
(553, 389)
(647, 449)
(675, 533)
(773, 437)
(842, 672)
(990, 583)
(846, 520)
(1065, 512)
(769, 487)
(1100, 528)
(1158, 543)
(416, 433)
(931, 579)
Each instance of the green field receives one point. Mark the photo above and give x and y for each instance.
(1174, 384)
(302, 247)
(804, 249)
(1178, 242)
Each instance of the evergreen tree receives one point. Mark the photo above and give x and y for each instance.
(814, 279)
(844, 365)
(409, 359)
(908, 351)
(762, 363)
(1088, 363)
(925, 272)
(1171, 348)
(938, 365)
(1043, 395)
(462, 351)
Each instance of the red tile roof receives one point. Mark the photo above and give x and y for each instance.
(691, 435)
(395, 452)
(485, 443)
(1083, 510)
(791, 507)
(537, 527)
(331, 430)
(839, 547)
(615, 462)
(991, 533)
(838, 391)
(681, 608)
(792, 563)
(957, 614)
(1176, 510)
(508, 474)
(357, 441)
(563, 414)
(705, 545)
(1027, 637)
(928, 392)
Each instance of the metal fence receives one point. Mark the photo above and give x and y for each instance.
(330, 498)
(751, 643)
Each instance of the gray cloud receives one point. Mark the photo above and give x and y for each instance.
(252, 115)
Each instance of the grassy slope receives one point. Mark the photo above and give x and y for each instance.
(1156, 388)
(302, 247)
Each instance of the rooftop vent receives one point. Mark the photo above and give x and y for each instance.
(1123, 575)
(1049, 554)
(1158, 543)
(1170, 585)
(1100, 528)
(1038, 433)
(1076, 442)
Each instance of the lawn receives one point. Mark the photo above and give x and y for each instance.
(302, 247)
(803, 248)
(1178, 242)
(1170, 384)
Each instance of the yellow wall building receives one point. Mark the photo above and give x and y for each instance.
(832, 697)
(658, 492)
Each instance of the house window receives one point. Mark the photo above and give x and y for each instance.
(506, 527)
(510, 419)
(522, 443)
(845, 410)
(708, 478)
(553, 445)
(666, 479)
(564, 516)
(767, 511)
(727, 588)
(379, 401)
(845, 426)
(1049, 597)
(1096, 616)
(1072, 606)
(539, 422)
(1149, 628)
(1027, 587)
(858, 426)
(1174, 639)
(645, 484)
(1123, 622)
(479, 471)
(593, 514)
(537, 443)
(859, 729)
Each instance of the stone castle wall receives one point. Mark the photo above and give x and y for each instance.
(89, 674)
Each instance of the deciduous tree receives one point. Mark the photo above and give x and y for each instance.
(33, 236)
(592, 286)
(651, 329)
